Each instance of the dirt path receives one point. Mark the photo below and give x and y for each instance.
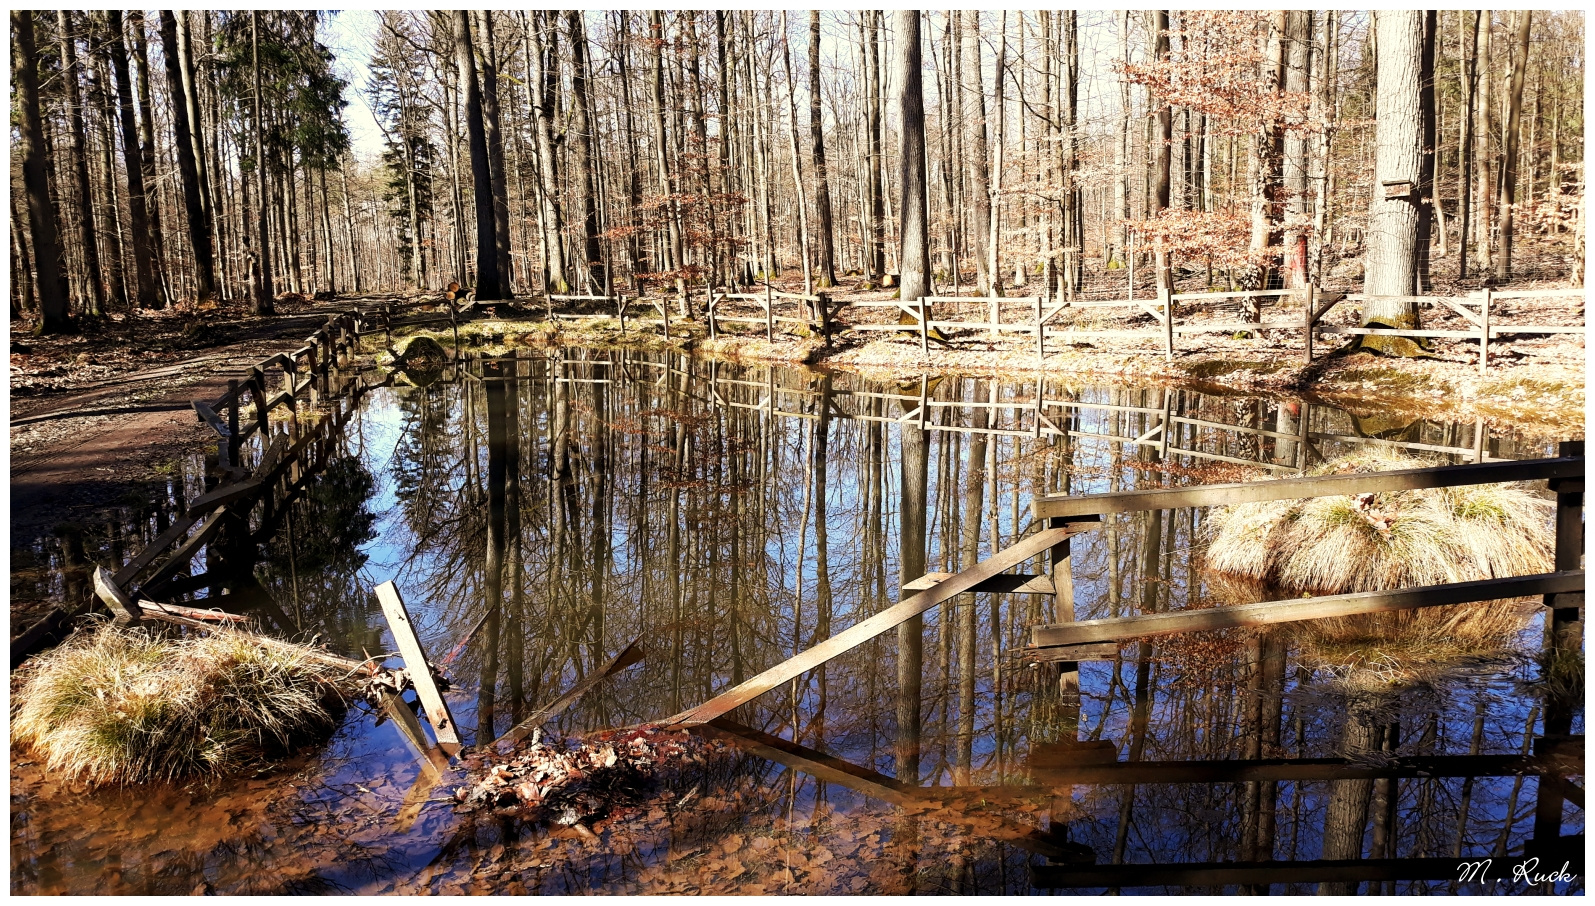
(78, 448)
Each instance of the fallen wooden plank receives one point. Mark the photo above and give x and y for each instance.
(155, 611)
(209, 417)
(1219, 874)
(887, 789)
(224, 495)
(186, 551)
(417, 665)
(193, 613)
(1294, 488)
(867, 629)
(114, 597)
(629, 655)
(1007, 583)
(1099, 651)
(1288, 611)
(52, 625)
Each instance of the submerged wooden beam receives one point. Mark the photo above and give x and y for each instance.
(1289, 611)
(1296, 488)
(629, 655)
(865, 630)
(417, 665)
(887, 789)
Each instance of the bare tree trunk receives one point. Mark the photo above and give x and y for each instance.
(582, 125)
(265, 290)
(78, 159)
(877, 194)
(1394, 219)
(1265, 182)
(1514, 105)
(1483, 238)
(1296, 80)
(42, 218)
(199, 233)
(994, 228)
(495, 154)
(1163, 135)
(487, 276)
(1121, 154)
(147, 295)
(667, 181)
(1466, 143)
(797, 169)
(822, 185)
(974, 92)
(915, 254)
(146, 157)
(348, 225)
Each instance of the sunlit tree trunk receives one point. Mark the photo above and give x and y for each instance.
(972, 84)
(487, 277)
(585, 160)
(1393, 219)
(822, 185)
(146, 292)
(42, 219)
(199, 233)
(1507, 195)
(78, 160)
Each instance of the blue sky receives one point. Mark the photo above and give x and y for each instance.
(350, 35)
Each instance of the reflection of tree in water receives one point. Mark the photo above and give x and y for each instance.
(314, 562)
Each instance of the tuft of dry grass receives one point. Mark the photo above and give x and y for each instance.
(117, 705)
(1379, 542)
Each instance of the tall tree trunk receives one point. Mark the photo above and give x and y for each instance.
(147, 294)
(100, 93)
(78, 159)
(1299, 64)
(1466, 142)
(488, 285)
(1121, 154)
(582, 126)
(495, 154)
(822, 185)
(877, 195)
(914, 257)
(146, 156)
(1395, 215)
(1507, 196)
(994, 228)
(196, 120)
(348, 225)
(42, 218)
(1485, 160)
(667, 179)
(265, 289)
(797, 169)
(199, 235)
(974, 92)
(1265, 180)
(1162, 156)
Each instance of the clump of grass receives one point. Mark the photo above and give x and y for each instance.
(119, 705)
(1378, 542)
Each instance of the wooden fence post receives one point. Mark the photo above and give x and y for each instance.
(1484, 333)
(1307, 321)
(1167, 299)
(924, 327)
(257, 389)
(417, 665)
(232, 423)
(1041, 331)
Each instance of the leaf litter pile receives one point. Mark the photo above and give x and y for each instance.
(582, 782)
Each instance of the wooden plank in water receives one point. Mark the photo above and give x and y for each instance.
(629, 655)
(1294, 488)
(417, 665)
(114, 597)
(887, 789)
(1289, 611)
(868, 629)
(224, 495)
(185, 551)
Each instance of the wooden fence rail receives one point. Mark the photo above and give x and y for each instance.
(1164, 309)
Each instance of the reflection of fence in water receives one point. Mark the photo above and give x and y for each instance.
(1164, 427)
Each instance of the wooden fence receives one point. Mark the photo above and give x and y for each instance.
(1034, 316)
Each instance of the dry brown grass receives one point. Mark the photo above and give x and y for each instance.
(1336, 545)
(118, 705)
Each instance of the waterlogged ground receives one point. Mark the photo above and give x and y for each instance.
(730, 517)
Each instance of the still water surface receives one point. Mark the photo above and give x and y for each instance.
(730, 517)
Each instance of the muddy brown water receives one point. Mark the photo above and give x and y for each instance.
(730, 517)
